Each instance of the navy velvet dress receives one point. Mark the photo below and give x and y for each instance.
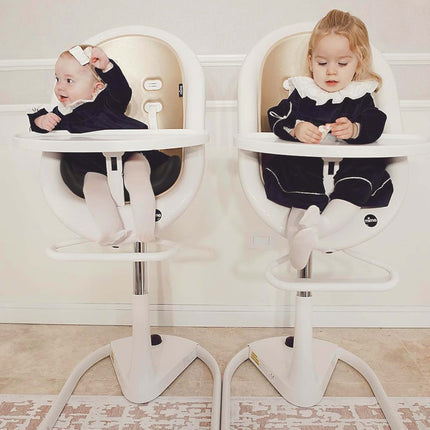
(106, 112)
(298, 181)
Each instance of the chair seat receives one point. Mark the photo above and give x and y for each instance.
(162, 177)
(165, 175)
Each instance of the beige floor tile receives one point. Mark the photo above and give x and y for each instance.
(417, 344)
(39, 358)
(30, 385)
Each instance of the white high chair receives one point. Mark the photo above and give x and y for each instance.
(300, 367)
(169, 95)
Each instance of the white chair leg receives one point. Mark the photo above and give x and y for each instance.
(271, 348)
(210, 361)
(302, 373)
(362, 367)
(234, 363)
(68, 388)
(143, 370)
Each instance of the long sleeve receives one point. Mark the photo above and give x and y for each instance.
(371, 120)
(32, 117)
(281, 118)
(117, 94)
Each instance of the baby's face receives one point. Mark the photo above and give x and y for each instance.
(332, 63)
(73, 81)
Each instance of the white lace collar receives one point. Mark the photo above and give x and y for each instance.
(307, 87)
(66, 110)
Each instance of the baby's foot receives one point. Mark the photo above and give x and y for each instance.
(311, 217)
(303, 243)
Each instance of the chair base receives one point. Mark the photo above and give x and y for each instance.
(143, 370)
(275, 361)
(301, 371)
(168, 369)
(168, 360)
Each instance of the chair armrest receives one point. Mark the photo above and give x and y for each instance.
(111, 140)
(387, 146)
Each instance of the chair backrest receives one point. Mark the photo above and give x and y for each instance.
(160, 68)
(154, 73)
(286, 58)
(277, 57)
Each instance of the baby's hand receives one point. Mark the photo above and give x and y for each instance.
(306, 132)
(47, 121)
(343, 128)
(99, 59)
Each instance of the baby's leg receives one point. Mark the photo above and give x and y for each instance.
(301, 249)
(293, 222)
(335, 216)
(315, 226)
(103, 209)
(142, 200)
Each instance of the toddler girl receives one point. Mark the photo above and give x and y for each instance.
(94, 96)
(338, 98)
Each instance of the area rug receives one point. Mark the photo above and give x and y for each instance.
(25, 412)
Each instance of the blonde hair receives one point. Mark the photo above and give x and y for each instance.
(89, 66)
(354, 29)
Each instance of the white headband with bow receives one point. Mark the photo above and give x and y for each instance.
(82, 55)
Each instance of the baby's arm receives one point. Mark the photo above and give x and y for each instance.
(306, 132)
(43, 121)
(117, 94)
(366, 127)
(344, 129)
(48, 121)
(281, 120)
(284, 122)
(100, 60)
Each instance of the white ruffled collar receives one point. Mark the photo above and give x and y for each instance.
(307, 87)
(66, 110)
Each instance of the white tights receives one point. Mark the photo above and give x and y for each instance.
(306, 227)
(142, 201)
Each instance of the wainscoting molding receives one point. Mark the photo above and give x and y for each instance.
(210, 60)
(214, 316)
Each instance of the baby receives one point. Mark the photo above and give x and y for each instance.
(337, 98)
(93, 94)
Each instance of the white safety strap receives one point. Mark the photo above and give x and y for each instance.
(328, 177)
(152, 108)
(114, 176)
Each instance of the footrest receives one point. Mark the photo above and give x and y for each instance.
(385, 282)
(61, 251)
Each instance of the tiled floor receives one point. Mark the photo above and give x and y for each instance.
(38, 359)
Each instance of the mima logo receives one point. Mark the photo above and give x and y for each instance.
(370, 220)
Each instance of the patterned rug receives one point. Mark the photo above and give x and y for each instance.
(19, 412)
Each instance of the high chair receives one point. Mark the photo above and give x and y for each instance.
(169, 96)
(300, 367)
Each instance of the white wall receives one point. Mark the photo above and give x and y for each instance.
(219, 279)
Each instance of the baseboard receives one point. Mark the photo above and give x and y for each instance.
(215, 316)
